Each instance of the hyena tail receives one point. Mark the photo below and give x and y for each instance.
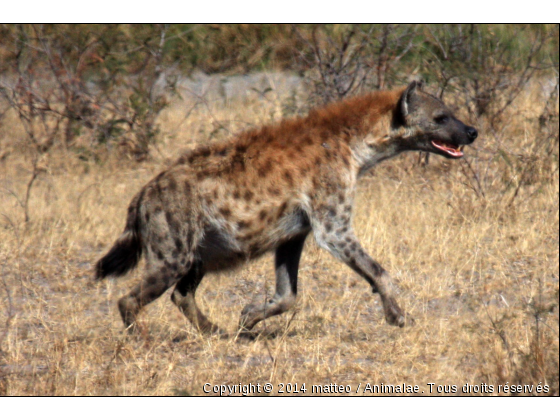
(126, 251)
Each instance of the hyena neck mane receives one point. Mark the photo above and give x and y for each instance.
(356, 118)
(365, 128)
(367, 118)
(370, 125)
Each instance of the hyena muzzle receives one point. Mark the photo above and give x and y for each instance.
(266, 190)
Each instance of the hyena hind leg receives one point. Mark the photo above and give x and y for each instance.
(286, 263)
(152, 287)
(184, 297)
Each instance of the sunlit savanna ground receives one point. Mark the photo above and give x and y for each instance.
(479, 274)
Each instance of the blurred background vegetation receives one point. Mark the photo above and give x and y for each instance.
(112, 81)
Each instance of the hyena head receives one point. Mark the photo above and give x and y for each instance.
(430, 126)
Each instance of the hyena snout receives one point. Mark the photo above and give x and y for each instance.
(450, 139)
(460, 134)
(472, 134)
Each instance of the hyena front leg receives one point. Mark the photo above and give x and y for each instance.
(286, 263)
(184, 297)
(335, 234)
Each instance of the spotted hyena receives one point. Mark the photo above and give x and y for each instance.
(267, 190)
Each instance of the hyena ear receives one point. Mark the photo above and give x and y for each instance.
(407, 97)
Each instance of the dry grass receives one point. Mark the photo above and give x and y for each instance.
(479, 275)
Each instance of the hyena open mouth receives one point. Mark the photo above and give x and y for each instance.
(451, 149)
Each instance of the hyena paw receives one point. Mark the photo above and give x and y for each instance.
(395, 315)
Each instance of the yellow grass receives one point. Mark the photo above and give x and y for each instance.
(475, 272)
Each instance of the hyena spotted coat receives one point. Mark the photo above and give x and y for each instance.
(266, 190)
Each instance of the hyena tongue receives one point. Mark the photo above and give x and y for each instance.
(448, 148)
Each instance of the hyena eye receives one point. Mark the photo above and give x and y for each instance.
(442, 119)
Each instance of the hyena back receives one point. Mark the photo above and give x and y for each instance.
(266, 190)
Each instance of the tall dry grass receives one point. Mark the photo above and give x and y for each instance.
(474, 247)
